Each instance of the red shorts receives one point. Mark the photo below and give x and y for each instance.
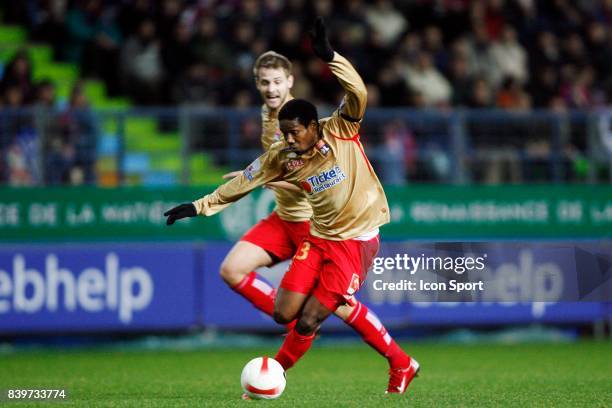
(331, 271)
(278, 237)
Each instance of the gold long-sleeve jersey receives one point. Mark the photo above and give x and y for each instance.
(290, 205)
(345, 195)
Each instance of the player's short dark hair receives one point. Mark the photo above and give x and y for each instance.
(299, 109)
(271, 59)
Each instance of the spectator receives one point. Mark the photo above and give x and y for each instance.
(13, 97)
(83, 128)
(546, 51)
(577, 87)
(102, 52)
(287, 40)
(208, 48)
(350, 43)
(301, 85)
(50, 25)
(425, 79)
(294, 9)
(20, 151)
(398, 150)
(509, 57)
(511, 95)
(386, 21)
(176, 58)
(242, 39)
(71, 149)
(21, 160)
(481, 96)
(250, 134)
(461, 81)
(195, 87)
(454, 17)
(544, 86)
(45, 94)
(81, 23)
(409, 47)
(176, 51)
(604, 12)
(494, 16)
(432, 42)
(323, 8)
(142, 65)
(354, 13)
(60, 157)
(574, 51)
(478, 50)
(18, 73)
(373, 95)
(376, 52)
(393, 88)
(599, 47)
(168, 17)
(132, 14)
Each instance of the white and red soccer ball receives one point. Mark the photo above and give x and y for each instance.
(263, 378)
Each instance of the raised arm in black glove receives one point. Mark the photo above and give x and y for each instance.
(180, 211)
(320, 43)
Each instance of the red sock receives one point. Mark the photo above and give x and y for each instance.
(372, 331)
(258, 292)
(293, 348)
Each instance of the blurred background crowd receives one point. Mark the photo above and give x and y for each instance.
(441, 56)
(510, 54)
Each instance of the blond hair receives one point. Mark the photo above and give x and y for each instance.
(271, 59)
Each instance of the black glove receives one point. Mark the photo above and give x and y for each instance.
(320, 43)
(180, 211)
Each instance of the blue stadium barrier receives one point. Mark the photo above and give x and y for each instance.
(152, 287)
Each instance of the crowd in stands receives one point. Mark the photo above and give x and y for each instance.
(70, 131)
(510, 54)
(444, 54)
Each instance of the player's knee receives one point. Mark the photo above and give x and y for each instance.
(308, 323)
(344, 312)
(231, 274)
(283, 316)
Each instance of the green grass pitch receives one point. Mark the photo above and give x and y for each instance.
(542, 375)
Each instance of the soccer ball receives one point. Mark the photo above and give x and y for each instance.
(263, 378)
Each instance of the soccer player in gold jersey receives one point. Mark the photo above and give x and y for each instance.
(275, 238)
(325, 159)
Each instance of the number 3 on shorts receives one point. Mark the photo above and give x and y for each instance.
(303, 251)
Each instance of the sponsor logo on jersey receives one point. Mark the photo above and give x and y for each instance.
(252, 169)
(294, 164)
(324, 180)
(354, 285)
(323, 147)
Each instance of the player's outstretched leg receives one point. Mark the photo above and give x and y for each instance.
(238, 271)
(372, 331)
(300, 338)
(402, 367)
